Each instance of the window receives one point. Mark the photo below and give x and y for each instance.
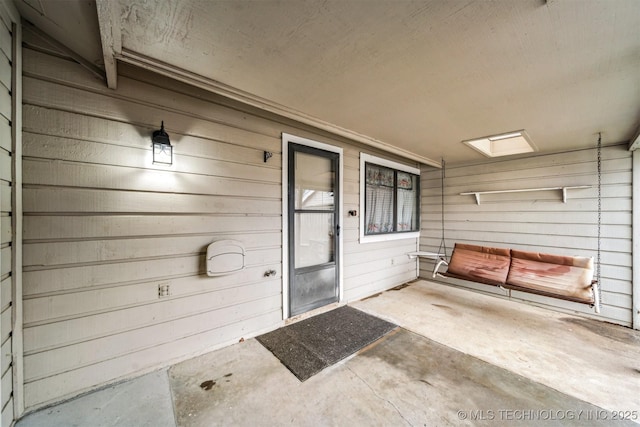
(389, 201)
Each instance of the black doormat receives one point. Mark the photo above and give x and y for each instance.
(309, 346)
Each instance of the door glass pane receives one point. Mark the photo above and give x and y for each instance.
(314, 182)
(314, 239)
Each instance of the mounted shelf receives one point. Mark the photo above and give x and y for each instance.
(564, 191)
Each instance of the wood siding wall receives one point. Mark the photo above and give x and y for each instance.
(103, 227)
(540, 221)
(6, 217)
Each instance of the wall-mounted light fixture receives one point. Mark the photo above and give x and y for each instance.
(162, 149)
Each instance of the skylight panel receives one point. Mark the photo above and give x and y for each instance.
(505, 144)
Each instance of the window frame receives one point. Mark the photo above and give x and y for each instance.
(397, 167)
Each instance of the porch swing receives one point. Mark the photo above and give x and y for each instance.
(569, 278)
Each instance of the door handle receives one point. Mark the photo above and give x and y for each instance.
(338, 230)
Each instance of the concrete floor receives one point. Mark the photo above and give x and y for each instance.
(458, 358)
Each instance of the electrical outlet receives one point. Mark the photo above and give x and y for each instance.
(163, 290)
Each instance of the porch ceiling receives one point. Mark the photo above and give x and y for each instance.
(418, 75)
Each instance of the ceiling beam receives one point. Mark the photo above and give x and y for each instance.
(111, 38)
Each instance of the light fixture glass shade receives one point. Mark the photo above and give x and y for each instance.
(162, 153)
(162, 149)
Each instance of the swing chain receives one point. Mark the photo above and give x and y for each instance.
(443, 244)
(599, 215)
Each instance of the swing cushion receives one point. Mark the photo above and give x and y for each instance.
(479, 264)
(558, 276)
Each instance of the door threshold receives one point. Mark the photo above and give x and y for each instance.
(312, 313)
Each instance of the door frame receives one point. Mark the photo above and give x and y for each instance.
(286, 139)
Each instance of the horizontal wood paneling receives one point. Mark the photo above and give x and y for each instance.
(5, 166)
(215, 140)
(74, 323)
(5, 261)
(5, 134)
(69, 278)
(7, 386)
(84, 378)
(567, 217)
(114, 106)
(5, 230)
(8, 413)
(5, 36)
(5, 102)
(5, 71)
(97, 251)
(5, 357)
(539, 221)
(39, 228)
(118, 227)
(104, 227)
(56, 148)
(377, 281)
(5, 292)
(65, 358)
(132, 94)
(71, 200)
(110, 177)
(59, 307)
(6, 324)
(5, 197)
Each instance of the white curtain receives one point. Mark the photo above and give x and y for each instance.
(379, 200)
(379, 209)
(406, 210)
